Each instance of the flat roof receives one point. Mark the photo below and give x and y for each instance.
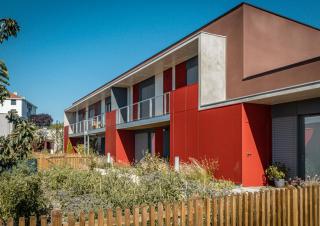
(197, 31)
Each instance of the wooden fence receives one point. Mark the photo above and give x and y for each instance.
(288, 206)
(47, 161)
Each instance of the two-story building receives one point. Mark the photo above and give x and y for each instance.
(243, 89)
(21, 105)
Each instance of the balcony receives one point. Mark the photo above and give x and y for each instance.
(87, 126)
(152, 108)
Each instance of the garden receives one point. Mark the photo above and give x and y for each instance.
(25, 192)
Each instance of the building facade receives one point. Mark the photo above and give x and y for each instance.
(23, 107)
(243, 89)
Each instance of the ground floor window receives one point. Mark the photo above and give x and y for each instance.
(309, 145)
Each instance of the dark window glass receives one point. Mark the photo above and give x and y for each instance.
(192, 70)
(13, 102)
(108, 104)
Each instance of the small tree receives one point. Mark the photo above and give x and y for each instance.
(17, 145)
(57, 135)
(41, 120)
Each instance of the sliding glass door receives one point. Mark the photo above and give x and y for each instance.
(310, 146)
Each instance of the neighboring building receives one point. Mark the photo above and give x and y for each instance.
(23, 107)
(243, 89)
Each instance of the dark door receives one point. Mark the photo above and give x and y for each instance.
(309, 146)
(146, 91)
(166, 143)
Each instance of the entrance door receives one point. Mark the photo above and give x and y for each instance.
(310, 146)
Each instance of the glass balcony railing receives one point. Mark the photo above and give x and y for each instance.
(96, 122)
(149, 108)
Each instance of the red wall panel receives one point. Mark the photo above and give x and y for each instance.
(167, 80)
(65, 138)
(181, 75)
(125, 146)
(223, 134)
(119, 143)
(256, 143)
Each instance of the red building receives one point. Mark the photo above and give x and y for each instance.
(243, 89)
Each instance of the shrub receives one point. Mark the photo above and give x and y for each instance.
(21, 193)
(276, 171)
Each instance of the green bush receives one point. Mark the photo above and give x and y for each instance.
(149, 182)
(21, 193)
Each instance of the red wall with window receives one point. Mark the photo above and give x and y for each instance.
(167, 80)
(221, 134)
(181, 75)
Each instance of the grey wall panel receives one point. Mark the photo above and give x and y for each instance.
(285, 126)
(284, 142)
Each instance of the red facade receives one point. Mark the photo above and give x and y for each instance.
(237, 136)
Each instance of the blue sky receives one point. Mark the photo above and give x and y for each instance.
(66, 49)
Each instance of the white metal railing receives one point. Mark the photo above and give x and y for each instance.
(96, 122)
(149, 108)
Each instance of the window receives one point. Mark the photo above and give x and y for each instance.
(13, 102)
(108, 104)
(192, 70)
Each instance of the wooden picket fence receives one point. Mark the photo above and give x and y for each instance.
(47, 161)
(287, 206)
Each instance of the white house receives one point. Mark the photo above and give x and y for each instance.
(23, 107)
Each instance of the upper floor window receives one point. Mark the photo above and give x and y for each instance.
(108, 104)
(13, 102)
(192, 70)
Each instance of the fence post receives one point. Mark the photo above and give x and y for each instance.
(294, 213)
(22, 221)
(82, 219)
(208, 212)
(71, 220)
(10, 221)
(109, 217)
(176, 164)
(91, 218)
(183, 213)
(127, 214)
(119, 216)
(160, 214)
(175, 214)
(55, 217)
(152, 215)
(190, 212)
(136, 216)
(44, 221)
(168, 213)
(100, 218)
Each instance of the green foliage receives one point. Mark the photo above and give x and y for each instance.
(21, 193)
(8, 27)
(150, 181)
(17, 145)
(41, 120)
(69, 148)
(276, 171)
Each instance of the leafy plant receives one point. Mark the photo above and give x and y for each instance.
(21, 193)
(8, 27)
(17, 145)
(276, 171)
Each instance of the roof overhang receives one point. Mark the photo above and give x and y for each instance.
(180, 52)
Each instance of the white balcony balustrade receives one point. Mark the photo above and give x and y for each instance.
(96, 122)
(149, 108)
